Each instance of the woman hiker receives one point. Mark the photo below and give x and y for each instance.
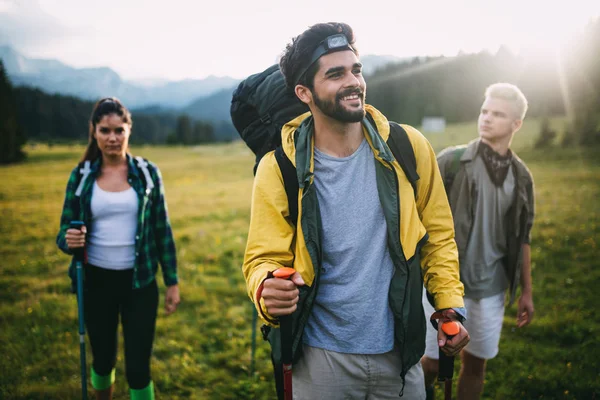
(126, 234)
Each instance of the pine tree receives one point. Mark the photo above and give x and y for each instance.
(12, 136)
(184, 131)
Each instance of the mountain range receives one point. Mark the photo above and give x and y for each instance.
(53, 76)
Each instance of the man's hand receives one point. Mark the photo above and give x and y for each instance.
(171, 299)
(452, 347)
(525, 309)
(281, 295)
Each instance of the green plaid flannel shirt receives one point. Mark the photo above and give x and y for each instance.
(154, 239)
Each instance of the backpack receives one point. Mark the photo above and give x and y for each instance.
(260, 107)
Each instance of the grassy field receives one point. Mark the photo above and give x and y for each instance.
(203, 350)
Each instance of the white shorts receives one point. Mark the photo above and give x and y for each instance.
(484, 324)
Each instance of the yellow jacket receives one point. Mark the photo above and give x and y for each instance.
(425, 228)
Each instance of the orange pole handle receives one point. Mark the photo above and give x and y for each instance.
(284, 272)
(451, 328)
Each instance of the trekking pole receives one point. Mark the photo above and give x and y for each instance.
(78, 257)
(446, 370)
(285, 329)
(253, 339)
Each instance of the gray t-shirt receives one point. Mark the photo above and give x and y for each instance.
(351, 313)
(481, 266)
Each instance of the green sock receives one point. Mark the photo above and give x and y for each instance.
(100, 382)
(146, 393)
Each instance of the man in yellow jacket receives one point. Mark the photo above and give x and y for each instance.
(363, 244)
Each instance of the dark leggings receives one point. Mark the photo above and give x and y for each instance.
(109, 293)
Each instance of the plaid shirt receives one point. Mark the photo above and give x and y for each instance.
(154, 239)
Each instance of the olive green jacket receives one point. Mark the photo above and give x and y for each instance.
(462, 196)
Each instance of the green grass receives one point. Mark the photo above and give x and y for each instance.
(203, 350)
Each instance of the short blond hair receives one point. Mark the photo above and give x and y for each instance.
(510, 93)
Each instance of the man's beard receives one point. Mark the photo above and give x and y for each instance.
(335, 110)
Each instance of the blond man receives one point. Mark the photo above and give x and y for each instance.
(491, 195)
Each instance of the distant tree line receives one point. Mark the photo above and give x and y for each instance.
(57, 118)
(189, 132)
(453, 87)
(568, 84)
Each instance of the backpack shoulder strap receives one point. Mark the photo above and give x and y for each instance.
(456, 156)
(453, 170)
(290, 181)
(400, 145)
(84, 171)
(143, 165)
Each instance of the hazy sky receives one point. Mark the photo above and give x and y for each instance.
(193, 39)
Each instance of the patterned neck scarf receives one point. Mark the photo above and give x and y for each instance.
(496, 165)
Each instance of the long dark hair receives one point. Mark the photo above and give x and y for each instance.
(104, 107)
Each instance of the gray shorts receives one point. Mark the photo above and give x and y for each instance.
(323, 374)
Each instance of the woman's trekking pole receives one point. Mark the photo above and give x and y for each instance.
(285, 329)
(446, 370)
(78, 257)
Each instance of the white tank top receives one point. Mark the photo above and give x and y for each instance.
(111, 242)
